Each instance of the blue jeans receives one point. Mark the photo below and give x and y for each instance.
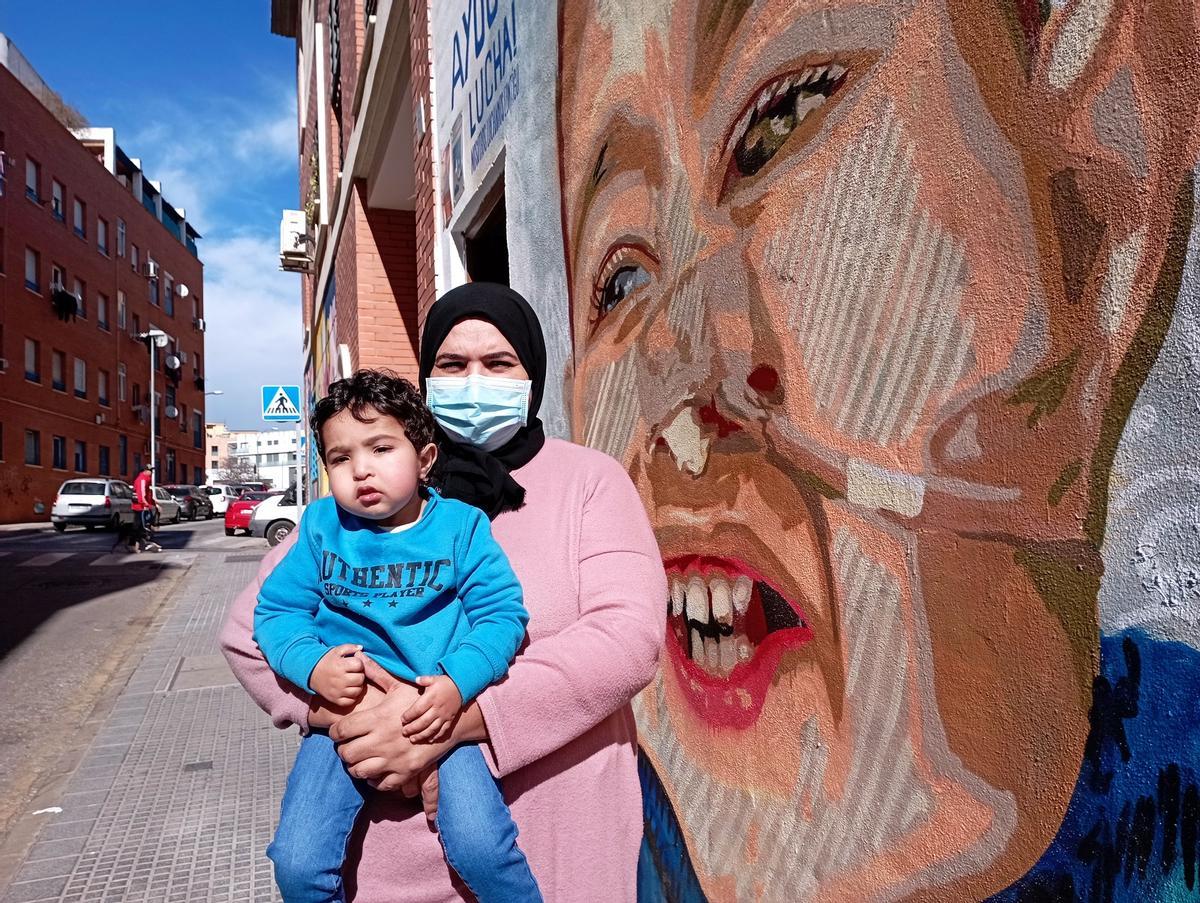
(322, 802)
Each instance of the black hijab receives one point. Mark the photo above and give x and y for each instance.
(467, 472)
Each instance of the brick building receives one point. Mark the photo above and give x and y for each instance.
(365, 184)
(91, 253)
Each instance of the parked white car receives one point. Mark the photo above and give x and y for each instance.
(275, 517)
(169, 510)
(98, 502)
(222, 495)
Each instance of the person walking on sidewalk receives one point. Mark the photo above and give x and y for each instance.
(558, 730)
(144, 507)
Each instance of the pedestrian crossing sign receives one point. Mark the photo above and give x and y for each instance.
(281, 404)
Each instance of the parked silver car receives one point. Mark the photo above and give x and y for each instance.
(169, 510)
(96, 502)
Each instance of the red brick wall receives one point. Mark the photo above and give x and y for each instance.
(31, 131)
(387, 287)
(423, 160)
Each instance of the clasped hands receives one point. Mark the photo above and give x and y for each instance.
(389, 733)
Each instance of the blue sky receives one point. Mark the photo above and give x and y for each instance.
(204, 95)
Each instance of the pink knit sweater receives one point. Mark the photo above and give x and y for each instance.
(562, 733)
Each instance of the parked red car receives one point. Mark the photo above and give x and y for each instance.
(237, 515)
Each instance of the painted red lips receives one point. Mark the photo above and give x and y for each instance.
(730, 626)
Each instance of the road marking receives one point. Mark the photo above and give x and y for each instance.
(46, 560)
(114, 559)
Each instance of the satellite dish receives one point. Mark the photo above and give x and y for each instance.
(183, 290)
(173, 362)
(172, 412)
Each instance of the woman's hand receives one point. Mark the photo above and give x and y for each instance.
(372, 743)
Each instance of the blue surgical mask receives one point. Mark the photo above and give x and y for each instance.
(485, 411)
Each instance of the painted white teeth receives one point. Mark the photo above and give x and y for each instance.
(697, 601)
(744, 652)
(697, 646)
(836, 71)
(712, 656)
(728, 654)
(722, 603)
(742, 588)
(678, 597)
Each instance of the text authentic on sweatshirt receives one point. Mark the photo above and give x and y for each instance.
(437, 597)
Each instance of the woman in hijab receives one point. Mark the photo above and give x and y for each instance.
(558, 730)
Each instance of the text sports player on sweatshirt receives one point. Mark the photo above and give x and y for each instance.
(388, 567)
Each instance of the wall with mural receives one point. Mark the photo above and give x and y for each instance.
(891, 312)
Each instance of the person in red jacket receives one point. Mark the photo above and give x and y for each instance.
(144, 507)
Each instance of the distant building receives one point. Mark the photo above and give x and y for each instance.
(272, 453)
(92, 254)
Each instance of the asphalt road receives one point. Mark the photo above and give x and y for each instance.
(72, 617)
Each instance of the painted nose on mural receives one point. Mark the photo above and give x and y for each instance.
(689, 435)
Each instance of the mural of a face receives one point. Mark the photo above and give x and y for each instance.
(861, 296)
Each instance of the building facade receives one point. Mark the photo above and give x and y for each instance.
(91, 255)
(272, 453)
(891, 314)
(359, 189)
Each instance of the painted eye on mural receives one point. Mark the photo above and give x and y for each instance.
(778, 110)
(622, 276)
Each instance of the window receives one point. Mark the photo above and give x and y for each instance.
(57, 204)
(58, 452)
(58, 278)
(133, 257)
(81, 298)
(121, 382)
(80, 378)
(214, 450)
(121, 309)
(102, 386)
(102, 235)
(120, 237)
(213, 465)
(137, 462)
(197, 475)
(80, 218)
(102, 311)
(103, 467)
(136, 397)
(153, 283)
(58, 370)
(1, 230)
(33, 447)
(168, 294)
(80, 456)
(170, 465)
(33, 360)
(33, 270)
(123, 454)
(33, 180)
(197, 429)
(137, 325)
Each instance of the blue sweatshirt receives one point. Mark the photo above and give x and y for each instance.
(436, 597)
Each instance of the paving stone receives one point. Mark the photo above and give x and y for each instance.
(177, 796)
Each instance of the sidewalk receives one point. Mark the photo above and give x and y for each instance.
(176, 798)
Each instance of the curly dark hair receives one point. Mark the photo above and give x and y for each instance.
(378, 390)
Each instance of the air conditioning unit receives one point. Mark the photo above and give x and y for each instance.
(198, 322)
(294, 241)
(151, 269)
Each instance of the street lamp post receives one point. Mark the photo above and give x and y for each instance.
(154, 338)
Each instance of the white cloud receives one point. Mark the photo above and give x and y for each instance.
(254, 335)
(232, 166)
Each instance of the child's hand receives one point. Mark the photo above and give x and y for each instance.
(430, 718)
(339, 676)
